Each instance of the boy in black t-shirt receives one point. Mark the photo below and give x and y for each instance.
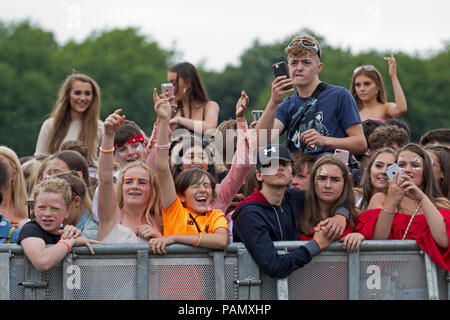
(52, 200)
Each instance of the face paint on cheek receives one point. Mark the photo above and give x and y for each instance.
(143, 186)
(61, 211)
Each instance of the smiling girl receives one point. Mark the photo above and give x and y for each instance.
(185, 202)
(374, 179)
(412, 208)
(130, 213)
(74, 117)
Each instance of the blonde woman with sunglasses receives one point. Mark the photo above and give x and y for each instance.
(368, 90)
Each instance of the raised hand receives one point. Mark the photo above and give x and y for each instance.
(162, 106)
(392, 65)
(411, 191)
(279, 88)
(395, 193)
(113, 122)
(242, 104)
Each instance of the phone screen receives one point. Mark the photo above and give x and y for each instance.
(281, 69)
(256, 115)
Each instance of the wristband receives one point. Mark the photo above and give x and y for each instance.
(199, 238)
(162, 147)
(106, 151)
(389, 212)
(67, 244)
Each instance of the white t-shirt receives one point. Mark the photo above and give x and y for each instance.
(72, 134)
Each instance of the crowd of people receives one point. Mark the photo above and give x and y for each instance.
(347, 172)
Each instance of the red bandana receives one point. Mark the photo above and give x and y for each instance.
(136, 138)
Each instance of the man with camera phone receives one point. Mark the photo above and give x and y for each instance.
(317, 117)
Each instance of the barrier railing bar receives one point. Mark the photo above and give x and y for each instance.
(219, 274)
(142, 274)
(249, 280)
(4, 276)
(354, 276)
(431, 276)
(35, 285)
(67, 290)
(282, 284)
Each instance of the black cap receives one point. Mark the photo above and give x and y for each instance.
(272, 152)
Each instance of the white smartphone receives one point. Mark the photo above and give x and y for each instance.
(342, 154)
(392, 170)
(167, 89)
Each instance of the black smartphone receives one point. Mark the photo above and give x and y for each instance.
(281, 69)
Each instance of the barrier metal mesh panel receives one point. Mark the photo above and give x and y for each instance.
(107, 279)
(393, 277)
(231, 275)
(181, 279)
(55, 283)
(442, 283)
(16, 276)
(324, 278)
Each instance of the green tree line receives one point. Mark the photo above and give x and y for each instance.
(128, 65)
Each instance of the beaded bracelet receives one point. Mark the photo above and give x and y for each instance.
(67, 244)
(106, 151)
(389, 212)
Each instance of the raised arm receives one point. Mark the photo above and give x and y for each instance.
(268, 128)
(397, 109)
(241, 165)
(165, 179)
(108, 210)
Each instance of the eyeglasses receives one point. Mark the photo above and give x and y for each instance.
(367, 67)
(306, 43)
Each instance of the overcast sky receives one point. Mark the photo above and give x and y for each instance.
(219, 31)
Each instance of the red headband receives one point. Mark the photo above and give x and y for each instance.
(136, 138)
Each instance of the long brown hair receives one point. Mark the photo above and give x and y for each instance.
(310, 216)
(62, 118)
(152, 211)
(197, 91)
(373, 73)
(366, 182)
(430, 186)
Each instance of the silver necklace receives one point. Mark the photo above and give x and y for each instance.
(410, 220)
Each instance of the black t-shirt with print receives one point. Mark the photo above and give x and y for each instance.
(33, 229)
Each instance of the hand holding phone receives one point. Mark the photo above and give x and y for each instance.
(392, 170)
(167, 89)
(280, 69)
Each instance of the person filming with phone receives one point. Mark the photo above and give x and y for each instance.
(412, 208)
(317, 117)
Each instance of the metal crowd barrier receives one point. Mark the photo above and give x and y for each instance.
(380, 270)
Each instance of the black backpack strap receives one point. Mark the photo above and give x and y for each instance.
(320, 88)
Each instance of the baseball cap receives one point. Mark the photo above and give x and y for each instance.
(272, 152)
